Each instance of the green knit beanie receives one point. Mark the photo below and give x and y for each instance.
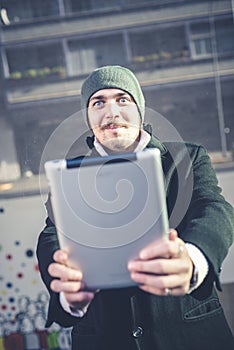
(116, 77)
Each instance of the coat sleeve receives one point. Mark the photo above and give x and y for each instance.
(209, 221)
(46, 246)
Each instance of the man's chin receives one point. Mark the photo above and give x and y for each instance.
(119, 146)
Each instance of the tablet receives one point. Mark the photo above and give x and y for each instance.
(106, 209)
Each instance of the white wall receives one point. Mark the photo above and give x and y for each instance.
(226, 182)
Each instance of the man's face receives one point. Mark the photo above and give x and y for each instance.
(115, 120)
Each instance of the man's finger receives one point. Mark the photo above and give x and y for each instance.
(64, 273)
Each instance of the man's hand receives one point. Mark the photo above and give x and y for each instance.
(164, 267)
(69, 281)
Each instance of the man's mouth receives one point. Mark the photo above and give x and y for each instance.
(113, 126)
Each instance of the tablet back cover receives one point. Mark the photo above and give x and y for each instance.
(106, 210)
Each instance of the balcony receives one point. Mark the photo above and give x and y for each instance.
(26, 90)
(108, 21)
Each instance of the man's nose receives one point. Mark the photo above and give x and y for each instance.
(112, 110)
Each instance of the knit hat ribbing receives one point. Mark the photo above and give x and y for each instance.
(116, 77)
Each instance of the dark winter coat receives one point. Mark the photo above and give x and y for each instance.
(130, 318)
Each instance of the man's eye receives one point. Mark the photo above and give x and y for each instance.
(98, 104)
(123, 100)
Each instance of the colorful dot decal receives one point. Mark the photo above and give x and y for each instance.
(29, 253)
(23, 297)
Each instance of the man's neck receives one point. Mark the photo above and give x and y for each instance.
(138, 145)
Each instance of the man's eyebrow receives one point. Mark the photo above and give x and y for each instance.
(101, 97)
(97, 97)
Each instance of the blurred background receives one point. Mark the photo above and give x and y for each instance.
(182, 52)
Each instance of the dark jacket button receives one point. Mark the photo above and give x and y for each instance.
(137, 332)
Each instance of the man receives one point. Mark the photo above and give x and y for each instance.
(175, 305)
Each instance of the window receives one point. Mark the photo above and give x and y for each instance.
(74, 6)
(154, 2)
(85, 55)
(82, 57)
(158, 44)
(35, 60)
(200, 40)
(202, 47)
(225, 36)
(18, 10)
